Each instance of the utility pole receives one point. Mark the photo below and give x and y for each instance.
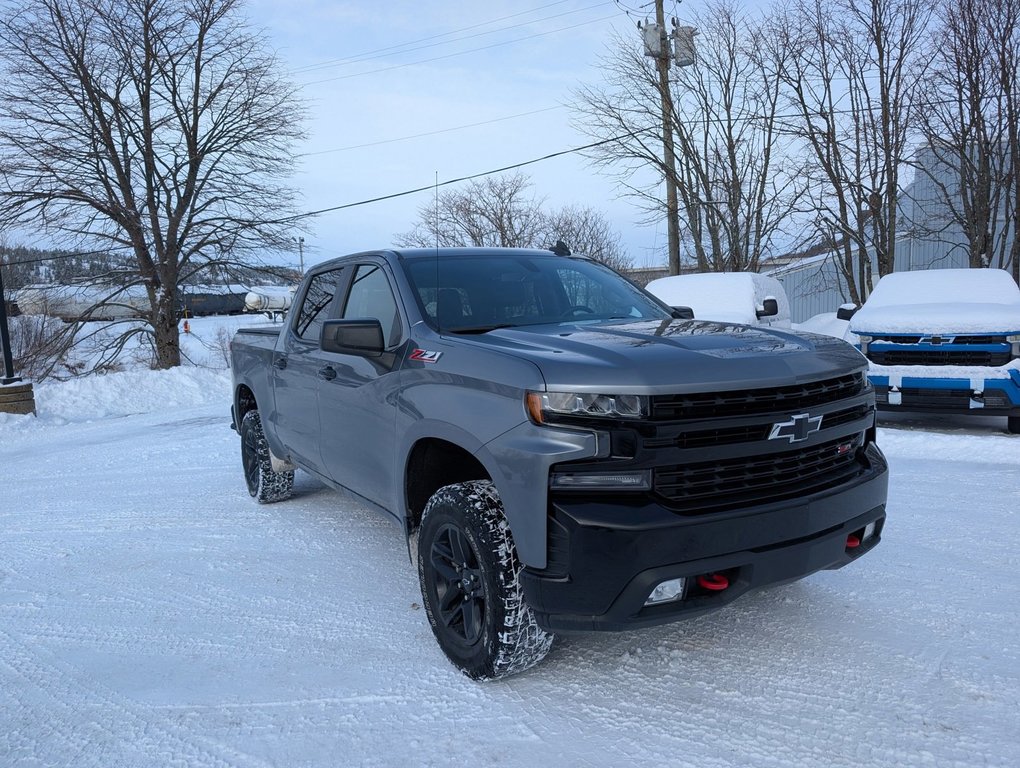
(669, 155)
(678, 45)
(301, 254)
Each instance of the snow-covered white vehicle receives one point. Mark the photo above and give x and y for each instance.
(726, 297)
(944, 340)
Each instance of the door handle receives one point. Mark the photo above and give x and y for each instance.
(328, 373)
(280, 362)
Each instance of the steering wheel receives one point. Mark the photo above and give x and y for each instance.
(579, 309)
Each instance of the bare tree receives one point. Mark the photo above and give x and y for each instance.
(737, 188)
(846, 68)
(496, 211)
(1004, 25)
(588, 232)
(158, 129)
(970, 128)
(500, 211)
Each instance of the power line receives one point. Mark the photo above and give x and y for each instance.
(413, 45)
(514, 166)
(435, 185)
(432, 133)
(550, 156)
(457, 53)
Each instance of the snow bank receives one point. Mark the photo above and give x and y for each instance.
(121, 394)
(945, 301)
(827, 324)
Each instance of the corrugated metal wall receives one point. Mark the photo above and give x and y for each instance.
(932, 240)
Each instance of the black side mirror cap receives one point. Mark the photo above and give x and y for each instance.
(362, 337)
(682, 313)
(769, 308)
(846, 311)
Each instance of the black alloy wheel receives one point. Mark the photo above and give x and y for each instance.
(457, 581)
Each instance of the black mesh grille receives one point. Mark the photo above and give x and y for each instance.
(756, 401)
(939, 357)
(979, 340)
(729, 483)
(752, 433)
(956, 399)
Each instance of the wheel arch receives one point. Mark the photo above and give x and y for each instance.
(244, 401)
(433, 463)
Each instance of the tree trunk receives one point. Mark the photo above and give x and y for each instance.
(165, 331)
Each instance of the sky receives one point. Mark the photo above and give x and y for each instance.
(402, 94)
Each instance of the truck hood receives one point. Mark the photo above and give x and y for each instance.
(672, 356)
(946, 318)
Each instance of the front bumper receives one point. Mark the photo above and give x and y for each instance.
(605, 558)
(950, 394)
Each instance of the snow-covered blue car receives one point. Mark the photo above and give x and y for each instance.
(944, 340)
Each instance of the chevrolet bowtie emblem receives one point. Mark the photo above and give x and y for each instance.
(797, 428)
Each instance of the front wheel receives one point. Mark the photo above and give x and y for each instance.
(469, 573)
(264, 484)
(1013, 425)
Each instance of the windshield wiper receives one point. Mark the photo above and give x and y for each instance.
(478, 328)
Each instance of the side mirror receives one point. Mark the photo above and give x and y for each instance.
(769, 308)
(362, 337)
(846, 311)
(682, 313)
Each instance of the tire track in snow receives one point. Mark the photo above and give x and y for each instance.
(114, 732)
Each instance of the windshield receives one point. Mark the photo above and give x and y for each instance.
(468, 293)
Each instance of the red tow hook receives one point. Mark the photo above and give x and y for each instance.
(714, 582)
(853, 541)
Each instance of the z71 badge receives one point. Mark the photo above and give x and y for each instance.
(424, 356)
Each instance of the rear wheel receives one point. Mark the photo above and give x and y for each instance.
(469, 573)
(1013, 425)
(264, 484)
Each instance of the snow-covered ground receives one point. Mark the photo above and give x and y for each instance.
(151, 614)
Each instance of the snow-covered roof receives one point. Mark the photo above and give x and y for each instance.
(941, 301)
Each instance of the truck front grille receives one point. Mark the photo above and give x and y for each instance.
(713, 486)
(720, 451)
(706, 438)
(746, 402)
(939, 399)
(939, 357)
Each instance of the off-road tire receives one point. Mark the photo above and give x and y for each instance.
(470, 584)
(264, 485)
(1013, 425)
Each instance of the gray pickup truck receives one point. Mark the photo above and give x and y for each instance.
(562, 451)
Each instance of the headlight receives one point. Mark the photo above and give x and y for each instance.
(542, 404)
(864, 341)
(1014, 344)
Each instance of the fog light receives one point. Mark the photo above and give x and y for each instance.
(671, 589)
(869, 531)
